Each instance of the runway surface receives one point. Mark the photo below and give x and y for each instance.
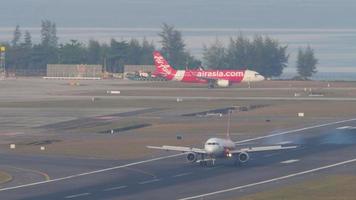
(183, 98)
(323, 149)
(239, 98)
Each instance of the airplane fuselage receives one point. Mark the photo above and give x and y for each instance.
(203, 76)
(219, 147)
(220, 78)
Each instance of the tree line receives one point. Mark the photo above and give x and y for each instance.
(262, 53)
(23, 54)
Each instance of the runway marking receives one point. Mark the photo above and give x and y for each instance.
(91, 172)
(182, 174)
(45, 175)
(289, 161)
(296, 130)
(271, 180)
(77, 195)
(115, 188)
(141, 171)
(270, 155)
(164, 157)
(343, 127)
(346, 127)
(285, 142)
(149, 181)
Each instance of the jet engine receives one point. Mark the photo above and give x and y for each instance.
(243, 157)
(222, 83)
(192, 157)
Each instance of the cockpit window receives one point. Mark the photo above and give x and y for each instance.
(212, 143)
(257, 74)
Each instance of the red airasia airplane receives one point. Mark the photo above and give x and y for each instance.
(220, 78)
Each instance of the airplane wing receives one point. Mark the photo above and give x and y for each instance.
(178, 148)
(262, 149)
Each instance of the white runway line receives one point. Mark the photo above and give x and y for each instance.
(115, 188)
(271, 180)
(346, 127)
(270, 155)
(284, 142)
(77, 195)
(89, 173)
(149, 181)
(343, 127)
(289, 161)
(182, 174)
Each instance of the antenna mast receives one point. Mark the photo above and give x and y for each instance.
(228, 124)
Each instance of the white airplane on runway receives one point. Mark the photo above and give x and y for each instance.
(220, 148)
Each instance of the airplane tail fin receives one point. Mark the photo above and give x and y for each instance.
(162, 67)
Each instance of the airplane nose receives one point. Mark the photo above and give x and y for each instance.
(209, 149)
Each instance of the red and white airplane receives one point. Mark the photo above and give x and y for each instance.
(220, 78)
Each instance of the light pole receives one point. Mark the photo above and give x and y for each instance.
(2, 60)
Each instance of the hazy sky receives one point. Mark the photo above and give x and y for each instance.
(182, 13)
(329, 26)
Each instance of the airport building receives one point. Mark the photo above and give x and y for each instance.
(137, 68)
(70, 71)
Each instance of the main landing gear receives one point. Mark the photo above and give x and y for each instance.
(206, 162)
